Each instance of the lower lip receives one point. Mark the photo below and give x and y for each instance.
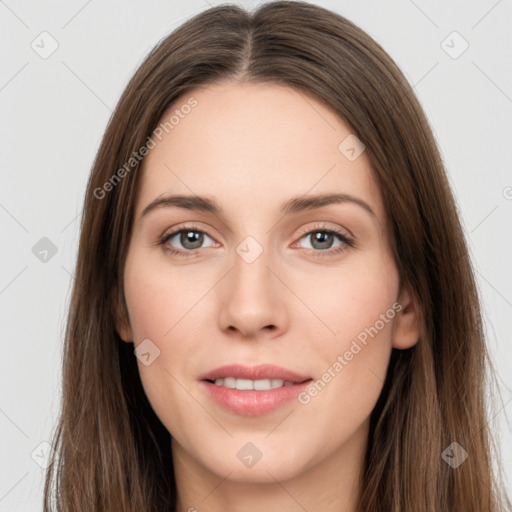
(253, 403)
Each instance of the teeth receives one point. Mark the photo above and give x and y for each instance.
(247, 384)
(244, 384)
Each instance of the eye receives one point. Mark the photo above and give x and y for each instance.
(191, 239)
(321, 240)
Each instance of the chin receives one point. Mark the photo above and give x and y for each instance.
(257, 461)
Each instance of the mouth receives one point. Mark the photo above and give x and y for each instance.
(253, 391)
(248, 384)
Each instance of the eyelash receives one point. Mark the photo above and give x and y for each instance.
(346, 241)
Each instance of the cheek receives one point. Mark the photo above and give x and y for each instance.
(344, 396)
(165, 308)
(355, 305)
(160, 307)
(158, 299)
(340, 302)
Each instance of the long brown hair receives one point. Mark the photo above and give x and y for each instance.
(110, 451)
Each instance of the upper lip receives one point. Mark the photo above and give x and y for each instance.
(260, 372)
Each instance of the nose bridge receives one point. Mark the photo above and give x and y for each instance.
(251, 275)
(251, 299)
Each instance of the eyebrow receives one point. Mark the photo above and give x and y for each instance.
(293, 205)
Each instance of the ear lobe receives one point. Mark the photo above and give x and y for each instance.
(121, 320)
(407, 324)
(125, 334)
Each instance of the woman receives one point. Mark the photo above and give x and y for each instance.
(215, 362)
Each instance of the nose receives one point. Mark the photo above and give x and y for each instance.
(252, 300)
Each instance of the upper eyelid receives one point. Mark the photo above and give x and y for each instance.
(323, 227)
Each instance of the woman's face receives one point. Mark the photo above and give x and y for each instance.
(281, 286)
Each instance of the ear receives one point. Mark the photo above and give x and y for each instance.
(406, 329)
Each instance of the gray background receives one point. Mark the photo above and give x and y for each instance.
(53, 113)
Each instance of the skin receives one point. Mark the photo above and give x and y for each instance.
(251, 148)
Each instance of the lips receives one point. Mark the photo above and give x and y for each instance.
(260, 372)
(247, 399)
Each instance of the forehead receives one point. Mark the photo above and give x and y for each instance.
(253, 144)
